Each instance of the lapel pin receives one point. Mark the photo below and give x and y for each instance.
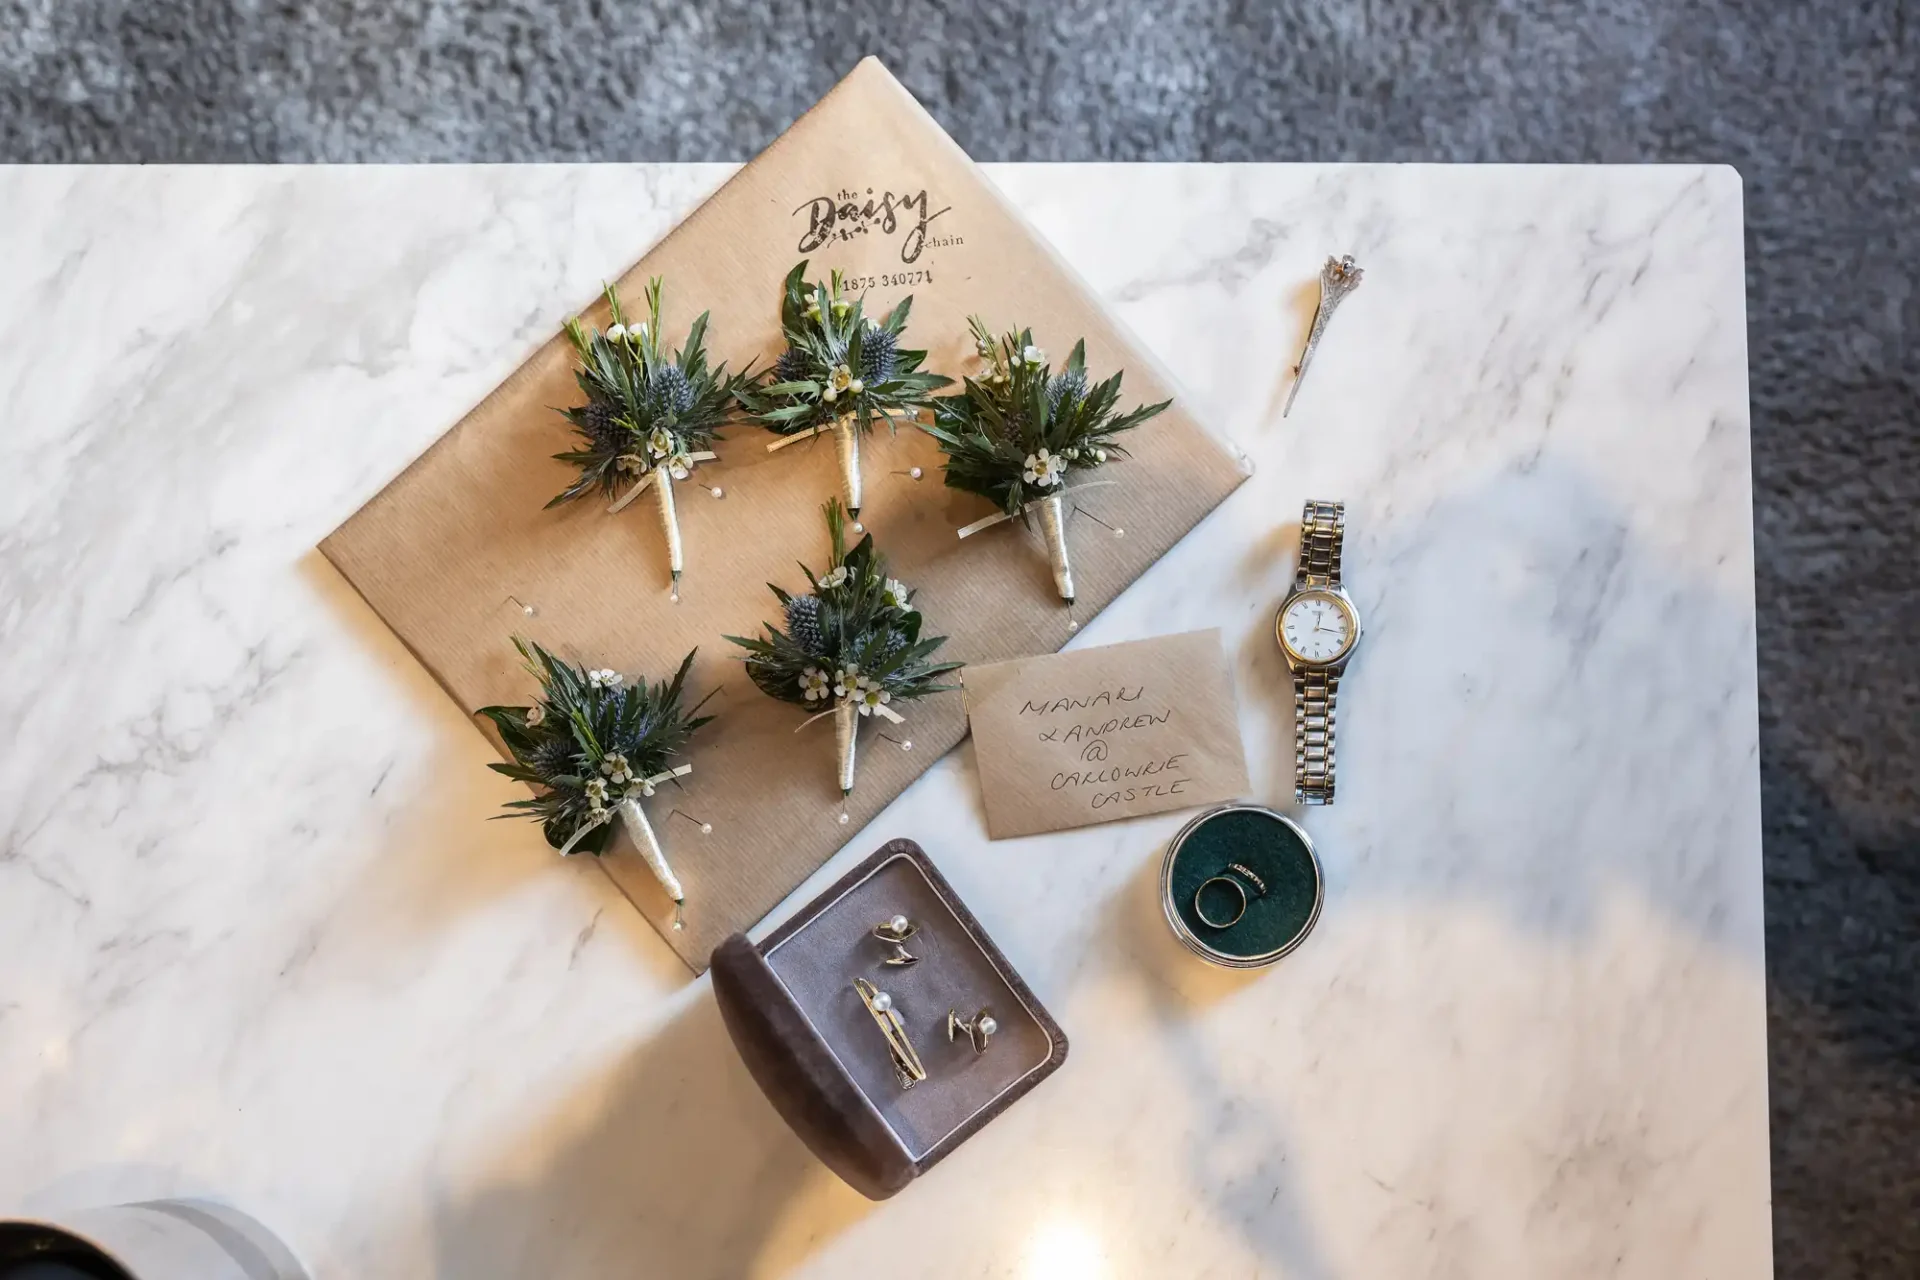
(1338, 278)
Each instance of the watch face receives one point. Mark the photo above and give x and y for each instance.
(1317, 626)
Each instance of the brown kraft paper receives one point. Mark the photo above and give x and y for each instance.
(867, 183)
(1071, 739)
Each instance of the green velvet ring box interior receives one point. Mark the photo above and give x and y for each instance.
(814, 1048)
(1246, 862)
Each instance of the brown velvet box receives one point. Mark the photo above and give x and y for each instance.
(815, 1051)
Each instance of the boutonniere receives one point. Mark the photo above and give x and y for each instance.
(851, 646)
(1019, 430)
(842, 370)
(650, 417)
(592, 746)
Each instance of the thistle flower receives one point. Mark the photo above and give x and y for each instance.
(643, 406)
(599, 421)
(859, 647)
(591, 723)
(670, 392)
(1007, 444)
(803, 623)
(835, 352)
(879, 353)
(1015, 432)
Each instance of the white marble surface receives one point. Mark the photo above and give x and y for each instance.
(258, 940)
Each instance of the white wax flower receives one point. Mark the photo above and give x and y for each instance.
(536, 715)
(813, 684)
(895, 592)
(1034, 356)
(604, 678)
(617, 333)
(1043, 469)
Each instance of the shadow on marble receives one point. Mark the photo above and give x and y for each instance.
(1243, 1165)
(1575, 728)
(1173, 975)
(671, 1164)
(439, 879)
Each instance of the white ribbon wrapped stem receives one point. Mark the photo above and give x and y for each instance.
(968, 530)
(883, 711)
(796, 438)
(640, 831)
(640, 486)
(1001, 517)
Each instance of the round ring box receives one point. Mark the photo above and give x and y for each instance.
(1274, 848)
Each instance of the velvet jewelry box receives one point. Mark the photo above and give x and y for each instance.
(817, 1052)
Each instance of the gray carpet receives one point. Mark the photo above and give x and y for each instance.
(1816, 104)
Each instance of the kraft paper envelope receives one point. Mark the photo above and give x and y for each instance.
(1071, 739)
(865, 182)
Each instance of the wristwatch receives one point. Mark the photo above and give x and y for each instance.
(1317, 627)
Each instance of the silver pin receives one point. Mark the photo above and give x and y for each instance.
(1116, 530)
(905, 744)
(706, 828)
(1338, 278)
(527, 609)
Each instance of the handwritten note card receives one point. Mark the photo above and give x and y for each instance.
(1071, 739)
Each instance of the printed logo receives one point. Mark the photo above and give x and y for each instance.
(846, 215)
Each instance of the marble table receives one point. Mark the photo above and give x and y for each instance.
(258, 940)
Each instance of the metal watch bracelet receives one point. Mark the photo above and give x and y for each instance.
(1322, 530)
